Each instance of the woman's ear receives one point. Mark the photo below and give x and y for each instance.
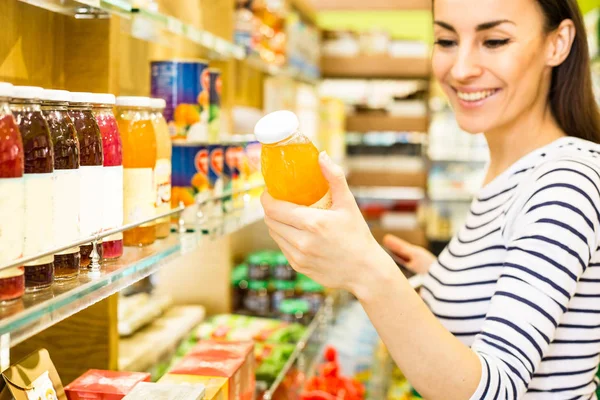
(560, 42)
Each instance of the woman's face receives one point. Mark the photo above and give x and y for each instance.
(490, 59)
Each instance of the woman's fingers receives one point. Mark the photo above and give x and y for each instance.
(400, 247)
(284, 212)
(290, 252)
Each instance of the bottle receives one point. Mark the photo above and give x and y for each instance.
(67, 181)
(290, 162)
(139, 161)
(39, 185)
(91, 161)
(112, 182)
(12, 200)
(162, 170)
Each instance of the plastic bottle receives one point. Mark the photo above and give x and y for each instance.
(290, 161)
(162, 171)
(39, 185)
(112, 187)
(139, 161)
(67, 181)
(12, 200)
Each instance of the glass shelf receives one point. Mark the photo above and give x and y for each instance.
(156, 27)
(36, 312)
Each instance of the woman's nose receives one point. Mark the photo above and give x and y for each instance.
(467, 64)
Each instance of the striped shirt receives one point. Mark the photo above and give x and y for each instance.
(520, 282)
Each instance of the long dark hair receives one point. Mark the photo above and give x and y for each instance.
(571, 96)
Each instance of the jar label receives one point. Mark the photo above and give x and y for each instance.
(67, 188)
(113, 200)
(12, 218)
(91, 199)
(139, 199)
(162, 178)
(39, 218)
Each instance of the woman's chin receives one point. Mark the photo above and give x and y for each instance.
(473, 125)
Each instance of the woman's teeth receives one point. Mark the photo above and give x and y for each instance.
(475, 96)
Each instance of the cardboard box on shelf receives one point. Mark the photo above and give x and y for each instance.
(35, 376)
(216, 388)
(166, 391)
(104, 385)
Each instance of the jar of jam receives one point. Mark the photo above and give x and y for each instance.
(91, 170)
(313, 293)
(259, 267)
(112, 175)
(257, 299)
(282, 270)
(39, 185)
(12, 200)
(239, 286)
(283, 290)
(66, 181)
(295, 311)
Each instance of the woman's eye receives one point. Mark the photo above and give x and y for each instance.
(445, 43)
(495, 43)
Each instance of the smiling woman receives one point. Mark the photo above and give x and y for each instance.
(510, 308)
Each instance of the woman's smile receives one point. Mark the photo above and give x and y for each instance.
(474, 98)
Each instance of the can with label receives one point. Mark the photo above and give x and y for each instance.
(215, 180)
(190, 176)
(184, 85)
(214, 104)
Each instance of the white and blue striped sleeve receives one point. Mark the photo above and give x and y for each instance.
(550, 237)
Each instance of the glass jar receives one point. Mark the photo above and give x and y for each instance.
(67, 181)
(259, 268)
(39, 185)
(91, 161)
(295, 311)
(162, 171)
(290, 161)
(313, 293)
(283, 290)
(257, 299)
(12, 200)
(139, 160)
(112, 182)
(239, 286)
(282, 270)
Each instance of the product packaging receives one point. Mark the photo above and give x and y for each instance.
(166, 391)
(31, 378)
(240, 327)
(104, 385)
(216, 388)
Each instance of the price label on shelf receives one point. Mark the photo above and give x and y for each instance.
(239, 52)
(175, 26)
(222, 47)
(208, 40)
(194, 35)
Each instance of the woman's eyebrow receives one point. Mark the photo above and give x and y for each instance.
(481, 27)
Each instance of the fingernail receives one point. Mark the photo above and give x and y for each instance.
(325, 157)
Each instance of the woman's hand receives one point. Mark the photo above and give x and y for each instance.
(334, 247)
(416, 258)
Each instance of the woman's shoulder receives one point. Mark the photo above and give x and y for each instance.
(570, 158)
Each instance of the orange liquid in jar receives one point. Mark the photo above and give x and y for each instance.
(162, 173)
(292, 172)
(139, 158)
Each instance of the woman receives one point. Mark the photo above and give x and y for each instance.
(511, 309)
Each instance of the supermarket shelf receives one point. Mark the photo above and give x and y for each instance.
(36, 312)
(387, 178)
(383, 122)
(259, 64)
(388, 193)
(375, 66)
(159, 339)
(305, 8)
(373, 5)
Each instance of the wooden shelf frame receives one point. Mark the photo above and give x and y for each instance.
(376, 66)
(382, 122)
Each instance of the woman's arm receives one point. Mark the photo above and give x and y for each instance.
(335, 247)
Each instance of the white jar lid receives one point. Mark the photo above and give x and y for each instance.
(103, 98)
(56, 95)
(27, 92)
(158, 103)
(276, 126)
(6, 89)
(82, 97)
(133, 101)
